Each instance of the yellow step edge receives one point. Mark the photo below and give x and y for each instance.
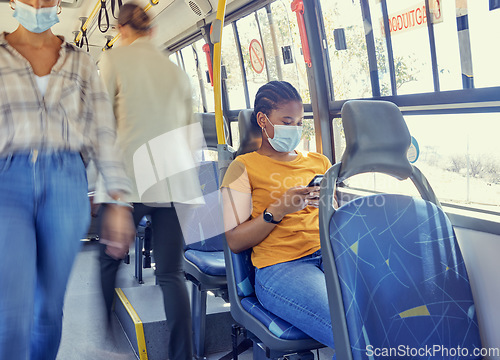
(139, 329)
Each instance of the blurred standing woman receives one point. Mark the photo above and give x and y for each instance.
(152, 101)
(53, 110)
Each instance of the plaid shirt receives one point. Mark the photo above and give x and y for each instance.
(74, 115)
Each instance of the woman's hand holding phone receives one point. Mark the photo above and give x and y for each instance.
(312, 199)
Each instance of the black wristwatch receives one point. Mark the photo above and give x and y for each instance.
(268, 217)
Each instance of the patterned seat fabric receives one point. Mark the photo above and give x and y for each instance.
(403, 278)
(244, 274)
(276, 325)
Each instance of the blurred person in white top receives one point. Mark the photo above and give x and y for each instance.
(157, 135)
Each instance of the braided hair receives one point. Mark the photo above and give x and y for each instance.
(271, 95)
(134, 16)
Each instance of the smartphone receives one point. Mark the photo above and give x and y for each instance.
(316, 180)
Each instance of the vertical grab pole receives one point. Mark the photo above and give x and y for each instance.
(216, 38)
(223, 152)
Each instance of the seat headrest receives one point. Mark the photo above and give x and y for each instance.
(207, 121)
(250, 133)
(377, 139)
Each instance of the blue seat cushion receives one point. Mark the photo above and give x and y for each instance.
(209, 262)
(276, 325)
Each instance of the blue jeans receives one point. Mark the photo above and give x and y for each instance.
(44, 212)
(296, 292)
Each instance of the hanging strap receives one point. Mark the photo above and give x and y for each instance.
(113, 7)
(109, 44)
(84, 39)
(105, 11)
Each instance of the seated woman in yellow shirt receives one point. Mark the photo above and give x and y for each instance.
(269, 208)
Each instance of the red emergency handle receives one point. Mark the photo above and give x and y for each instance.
(206, 50)
(298, 8)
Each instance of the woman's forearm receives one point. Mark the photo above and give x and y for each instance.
(248, 234)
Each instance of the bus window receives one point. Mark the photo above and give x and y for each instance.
(202, 59)
(288, 38)
(210, 155)
(255, 64)
(188, 59)
(484, 25)
(235, 134)
(230, 60)
(410, 44)
(447, 49)
(460, 160)
(308, 142)
(379, 182)
(273, 57)
(173, 58)
(339, 138)
(350, 71)
(380, 48)
(264, 62)
(445, 34)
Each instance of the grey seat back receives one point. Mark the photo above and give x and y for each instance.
(207, 121)
(250, 133)
(379, 144)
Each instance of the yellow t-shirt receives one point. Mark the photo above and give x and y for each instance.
(266, 179)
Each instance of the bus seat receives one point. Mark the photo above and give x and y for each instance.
(204, 263)
(394, 271)
(203, 257)
(275, 335)
(207, 121)
(250, 134)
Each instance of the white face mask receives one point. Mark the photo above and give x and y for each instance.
(35, 20)
(286, 137)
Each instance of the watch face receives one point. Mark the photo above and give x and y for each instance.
(268, 217)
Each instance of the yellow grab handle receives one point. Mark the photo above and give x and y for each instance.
(216, 38)
(89, 19)
(110, 43)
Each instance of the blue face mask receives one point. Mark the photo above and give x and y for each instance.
(35, 20)
(286, 137)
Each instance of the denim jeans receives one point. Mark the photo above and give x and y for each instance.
(44, 212)
(296, 292)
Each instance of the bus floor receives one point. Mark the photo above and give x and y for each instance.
(86, 335)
